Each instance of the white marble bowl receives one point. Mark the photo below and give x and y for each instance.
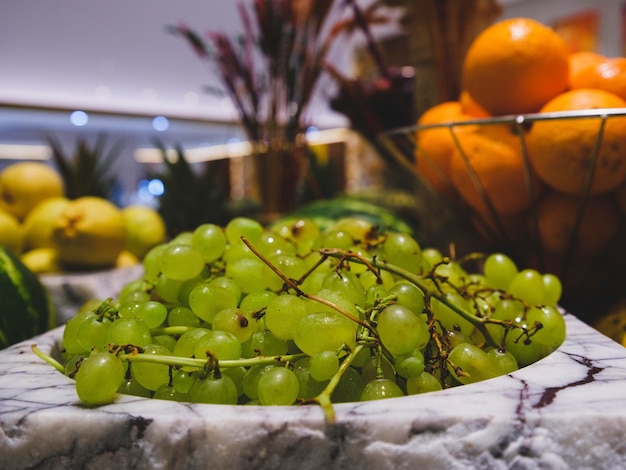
(566, 411)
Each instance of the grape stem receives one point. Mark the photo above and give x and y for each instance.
(200, 363)
(294, 285)
(415, 279)
(50, 360)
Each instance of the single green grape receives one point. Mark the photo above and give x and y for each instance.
(552, 289)
(181, 262)
(425, 382)
(206, 300)
(408, 295)
(152, 375)
(289, 265)
(168, 289)
(235, 321)
(210, 241)
(324, 331)
(528, 285)
(469, 364)
(219, 391)
(283, 314)
(378, 389)
(500, 270)
(98, 378)
(129, 331)
(71, 342)
(182, 381)
(222, 344)
(450, 319)
(402, 250)
(376, 367)
(410, 365)
(349, 388)
(243, 226)
(182, 316)
(308, 386)
(251, 380)
(248, 273)
(323, 365)
(278, 386)
(93, 333)
(263, 343)
(130, 386)
(168, 392)
(400, 330)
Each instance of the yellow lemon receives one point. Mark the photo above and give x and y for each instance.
(10, 232)
(23, 185)
(145, 229)
(40, 221)
(89, 234)
(41, 260)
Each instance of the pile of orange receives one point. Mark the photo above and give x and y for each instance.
(570, 171)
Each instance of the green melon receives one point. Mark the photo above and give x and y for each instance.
(25, 307)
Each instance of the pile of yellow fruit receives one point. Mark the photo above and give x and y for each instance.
(52, 234)
(520, 66)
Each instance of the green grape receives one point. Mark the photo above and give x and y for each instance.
(503, 360)
(374, 294)
(151, 375)
(474, 363)
(409, 365)
(323, 365)
(186, 343)
(167, 341)
(219, 391)
(499, 270)
(423, 383)
(129, 331)
(210, 241)
(450, 319)
(98, 378)
(228, 284)
(349, 388)
(376, 367)
(271, 244)
(547, 331)
(552, 289)
(71, 342)
(152, 313)
(337, 298)
(308, 386)
(283, 314)
(251, 380)
(336, 239)
(185, 288)
(248, 273)
(183, 238)
(167, 289)
(454, 338)
(408, 295)
(236, 251)
(430, 258)
(236, 374)
(222, 344)
(130, 386)
(378, 389)
(278, 386)
(453, 272)
(355, 267)
(93, 333)
(313, 282)
(257, 301)
(205, 301)
(402, 250)
(289, 265)
(181, 262)
(324, 331)
(134, 291)
(368, 279)
(303, 233)
(182, 316)
(182, 381)
(243, 226)
(400, 330)
(152, 262)
(235, 321)
(359, 229)
(528, 286)
(263, 343)
(168, 392)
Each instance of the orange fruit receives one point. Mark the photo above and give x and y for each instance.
(579, 61)
(560, 150)
(470, 107)
(494, 155)
(557, 214)
(434, 146)
(608, 75)
(515, 66)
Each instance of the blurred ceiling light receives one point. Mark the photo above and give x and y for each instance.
(24, 152)
(160, 123)
(79, 118)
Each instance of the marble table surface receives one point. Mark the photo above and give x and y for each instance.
(567, 411)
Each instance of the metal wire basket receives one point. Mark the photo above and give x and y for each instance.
(590, 290)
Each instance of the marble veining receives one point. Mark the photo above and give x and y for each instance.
(567, 411)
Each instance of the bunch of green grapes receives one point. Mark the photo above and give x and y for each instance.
(245, 314)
